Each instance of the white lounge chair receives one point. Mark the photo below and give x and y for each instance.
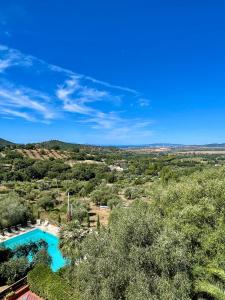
(38, 222)
(21, 228)
(8, 234)
(46, 223)
(13, 229)
(2, 238)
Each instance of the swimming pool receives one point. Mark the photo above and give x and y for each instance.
(53, 242)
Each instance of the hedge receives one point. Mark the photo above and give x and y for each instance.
(48, 285)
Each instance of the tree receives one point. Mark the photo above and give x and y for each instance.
(42, 257)
(153, 249)
(98, 224)
(132, 193)
(15, 263)
(47, 201)
(130, 253)
(114, 202)
(167, 174)
(13, 270)
(12, 211)
(103, 194)
(5, 254)
(80, 210)
(71, 236)
(59, 219)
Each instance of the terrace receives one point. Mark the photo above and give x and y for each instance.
(18, 291)
(13, 231)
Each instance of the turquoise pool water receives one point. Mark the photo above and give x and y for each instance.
(53, 242)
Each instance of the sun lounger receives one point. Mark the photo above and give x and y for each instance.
(21, 228)
(46, 223)
(8, 234)
(38, 222)
(13, 229)
(2, 237)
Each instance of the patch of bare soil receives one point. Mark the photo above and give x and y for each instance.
(43, 154)
(36, 154)
(96, 211)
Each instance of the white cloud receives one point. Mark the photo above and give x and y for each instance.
(93, 94)
(74, 104)
(4, 64)
(23, 98)
(109, 85)
(76, 98)
(11, 57)
(144, 102)
(101, 120)
(14, 113)
(61, 92)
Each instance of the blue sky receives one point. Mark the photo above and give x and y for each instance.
(112, 72)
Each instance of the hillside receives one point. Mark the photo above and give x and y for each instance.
(43, 153)
(5, 142)
(56, 144)
(216, 145)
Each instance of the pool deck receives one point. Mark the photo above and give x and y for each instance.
(52, 229)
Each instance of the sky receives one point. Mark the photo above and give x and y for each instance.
(116, 72)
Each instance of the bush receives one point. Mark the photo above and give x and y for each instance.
(49, 285)
(12, 211)
(103, 194)
(114, 202)
(13, 270)
(132, 193)
(5, 254)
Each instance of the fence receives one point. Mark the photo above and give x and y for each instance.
(14, 287)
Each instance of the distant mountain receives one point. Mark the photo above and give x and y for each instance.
(60, 145)
(170, 145)
(5, 142)
(216, 145)
(56, 144)
(156, 145)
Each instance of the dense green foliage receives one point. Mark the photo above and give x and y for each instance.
(4, 143)
(49, 285)
(13, 211)
(165, 238)
(155, 249)
(15, 264)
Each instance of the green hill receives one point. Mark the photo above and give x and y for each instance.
(5, 143)
(216, 145)
(59, 145)
(56, 144)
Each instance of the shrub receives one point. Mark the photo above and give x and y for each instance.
(114, 201)
(12, 211)
(5, 254)
(49, 285)
(13, 270)
(132, 193)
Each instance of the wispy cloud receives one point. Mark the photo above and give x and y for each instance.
(24, 98)
(101, 120)
(11, 57)
(14, 113)
(4, 64)
(45, 92)
(106, 84)
(74, 104)
(143, 102)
